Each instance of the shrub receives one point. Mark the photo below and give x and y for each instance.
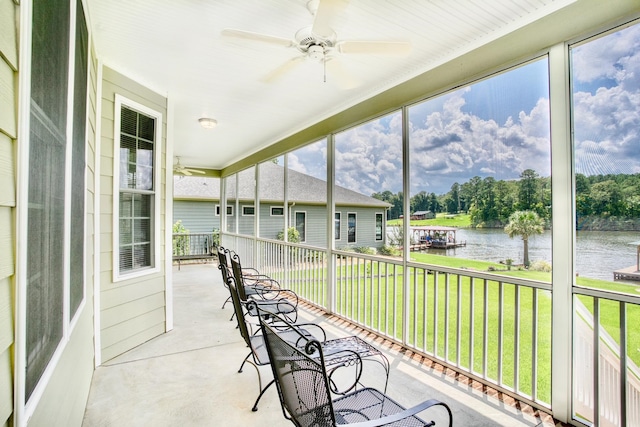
(180, 243)
(540, 266)
(365, 250)
(216, 237)
(389, 250)
(293, 236)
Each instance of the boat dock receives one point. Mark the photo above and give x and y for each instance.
(435, 237)
(629, 273)
(633, 272)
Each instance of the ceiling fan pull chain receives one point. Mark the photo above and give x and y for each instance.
(324, 68)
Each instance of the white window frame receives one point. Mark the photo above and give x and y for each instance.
(375, 222)
(356, 227)
(121, 101)
(248, 206)
(303, 239)
(337, 218)
(229, 210)
(276, 207)
(217, 210)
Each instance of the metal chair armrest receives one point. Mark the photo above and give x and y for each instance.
(398, 416)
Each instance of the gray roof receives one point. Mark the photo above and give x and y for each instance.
(302, 189)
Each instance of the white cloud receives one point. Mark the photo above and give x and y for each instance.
(466, 145)
(452, 146)
(608, 57)
(607, 118)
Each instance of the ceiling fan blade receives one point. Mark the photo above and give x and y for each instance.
(343, 79)
(248, 35)
(325, 14)
(193, 171)
(185, 172)
(374, 47)
(282, 70)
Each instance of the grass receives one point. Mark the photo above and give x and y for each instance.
(609, 310)
(376, 298)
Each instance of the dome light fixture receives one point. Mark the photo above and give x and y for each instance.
(207, 122)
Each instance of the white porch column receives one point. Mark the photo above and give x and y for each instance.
(562, 232)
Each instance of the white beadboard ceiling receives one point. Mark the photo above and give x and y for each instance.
(176, 48)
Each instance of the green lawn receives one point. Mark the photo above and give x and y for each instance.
(363, 297)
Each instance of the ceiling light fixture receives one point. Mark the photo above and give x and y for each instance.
(207, 122)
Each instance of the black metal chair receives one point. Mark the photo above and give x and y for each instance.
(264, 290)
(340, 352)
(223, 266)
(258, 353)
(304, 389)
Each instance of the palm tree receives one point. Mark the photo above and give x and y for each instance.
(525, 224)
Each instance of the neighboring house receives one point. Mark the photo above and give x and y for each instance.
(359, 220)
(422, 215)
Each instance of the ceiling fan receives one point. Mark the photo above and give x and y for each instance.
(320, 43)
(179, 169)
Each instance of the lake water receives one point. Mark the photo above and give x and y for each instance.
(599, 253)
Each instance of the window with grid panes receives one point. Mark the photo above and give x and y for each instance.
(137, 190)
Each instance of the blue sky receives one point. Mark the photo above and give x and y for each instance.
(499, 126)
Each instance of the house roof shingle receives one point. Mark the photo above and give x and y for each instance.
(303, 188)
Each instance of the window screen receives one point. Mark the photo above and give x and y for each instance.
(46, 188)
(78, 164)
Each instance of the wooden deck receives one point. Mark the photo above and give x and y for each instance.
(629, 273)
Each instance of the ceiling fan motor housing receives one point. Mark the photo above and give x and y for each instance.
(314, 46)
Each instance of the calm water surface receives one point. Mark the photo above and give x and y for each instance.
(598, 253)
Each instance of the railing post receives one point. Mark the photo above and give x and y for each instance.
(330, 288)
(406, 222)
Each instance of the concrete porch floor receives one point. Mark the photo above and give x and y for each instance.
(188, 376)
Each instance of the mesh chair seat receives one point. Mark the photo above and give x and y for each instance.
(371, 404)
(305, 393)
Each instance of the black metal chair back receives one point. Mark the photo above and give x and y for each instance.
(301, 381)
(223, 263)
(223, 266)
(239, 312)
(236, 268)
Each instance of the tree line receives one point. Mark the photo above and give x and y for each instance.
(490, 202)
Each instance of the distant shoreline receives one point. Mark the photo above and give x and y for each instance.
(584, 223)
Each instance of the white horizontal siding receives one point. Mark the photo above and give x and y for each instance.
(131, 311)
